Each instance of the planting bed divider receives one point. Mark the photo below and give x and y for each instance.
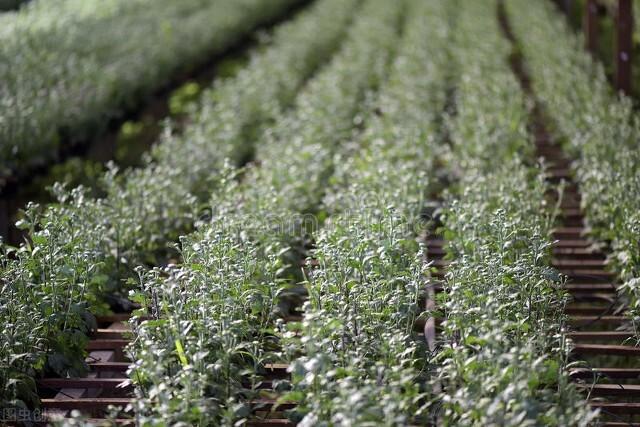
(598, 329)
(106, 384)
(106, 390)
(596, 315)
(603, 357)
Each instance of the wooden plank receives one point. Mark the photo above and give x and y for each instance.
(573, 243)
(559, 171)
(112, 318)
(587, 275)
(590, 25)
(108, 366)
(574, 263)
(617, 373)
(624, 45)
(276, 366)
(578, 253)
(618, 424)
(592, 296)
(590, 311)
(612, 350)
(106, 356)
(96, 421)
(574, 251)
(603, 288)
(107, 344)
(572, 231)
(630, 390)
(609, 320)
(599, 336)
(85, 403)
(616, 408)
(277, 370)
(570, 203)
(111, 333)
(87, 382)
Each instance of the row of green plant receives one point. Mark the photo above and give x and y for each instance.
(356, 358)
(68, 68)
(503, 356)
(597, 127)
(199, 360)
(82, 248)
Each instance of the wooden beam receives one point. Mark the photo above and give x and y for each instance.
(618, 373)
(591, 287)
(599, 335)
(108, 366)
(601, 349)
(626, 390)
(88, 382)
(590, 25)
(616, 408)
(107, 344)
(624, 45)
(85, 403)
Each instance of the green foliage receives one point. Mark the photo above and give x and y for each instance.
(503, 356)
(77, 64)
(184, 96)
(44, 327)
(345, 158)
(363, 363)
(215, 317)
(599, 128)
(91, 246)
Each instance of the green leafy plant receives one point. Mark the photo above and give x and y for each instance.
(599, 128)
(75, 65)
(362, 361)
(215, 317)
(93, 245)
(502, 358)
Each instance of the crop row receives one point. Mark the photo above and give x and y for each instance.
(354, 358)
(362, 362)
(83, 247)
(503, 355)
(66, 69)
(599, 128)
(214, 317)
